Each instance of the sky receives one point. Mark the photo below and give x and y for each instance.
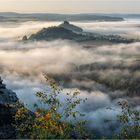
(70, 6)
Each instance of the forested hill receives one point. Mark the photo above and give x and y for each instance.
(71, 32)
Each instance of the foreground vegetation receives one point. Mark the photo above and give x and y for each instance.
(62, 120)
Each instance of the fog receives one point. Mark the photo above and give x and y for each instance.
(101, 73)
(17, 30)
(128, 28)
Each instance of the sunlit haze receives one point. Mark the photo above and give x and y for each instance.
(70, 6)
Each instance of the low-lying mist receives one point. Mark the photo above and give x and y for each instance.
(127, 28)
(99, 72)
(104, 74)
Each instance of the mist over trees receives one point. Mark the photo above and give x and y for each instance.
(102, 73)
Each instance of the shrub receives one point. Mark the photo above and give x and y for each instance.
(51, 122)
(130, 122)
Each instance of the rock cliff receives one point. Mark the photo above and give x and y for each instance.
(8, 100)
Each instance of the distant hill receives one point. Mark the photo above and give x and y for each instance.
(62, 17)
(72, 32)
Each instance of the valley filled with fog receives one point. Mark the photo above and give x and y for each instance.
(105, 73)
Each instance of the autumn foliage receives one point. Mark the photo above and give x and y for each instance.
(56, 121)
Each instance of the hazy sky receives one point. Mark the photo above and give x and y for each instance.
(71, 6)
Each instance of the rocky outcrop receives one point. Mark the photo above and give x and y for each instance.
(8, 100)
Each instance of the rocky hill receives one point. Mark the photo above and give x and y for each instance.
(7, 110)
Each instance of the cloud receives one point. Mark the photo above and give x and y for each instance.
(127, 28)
